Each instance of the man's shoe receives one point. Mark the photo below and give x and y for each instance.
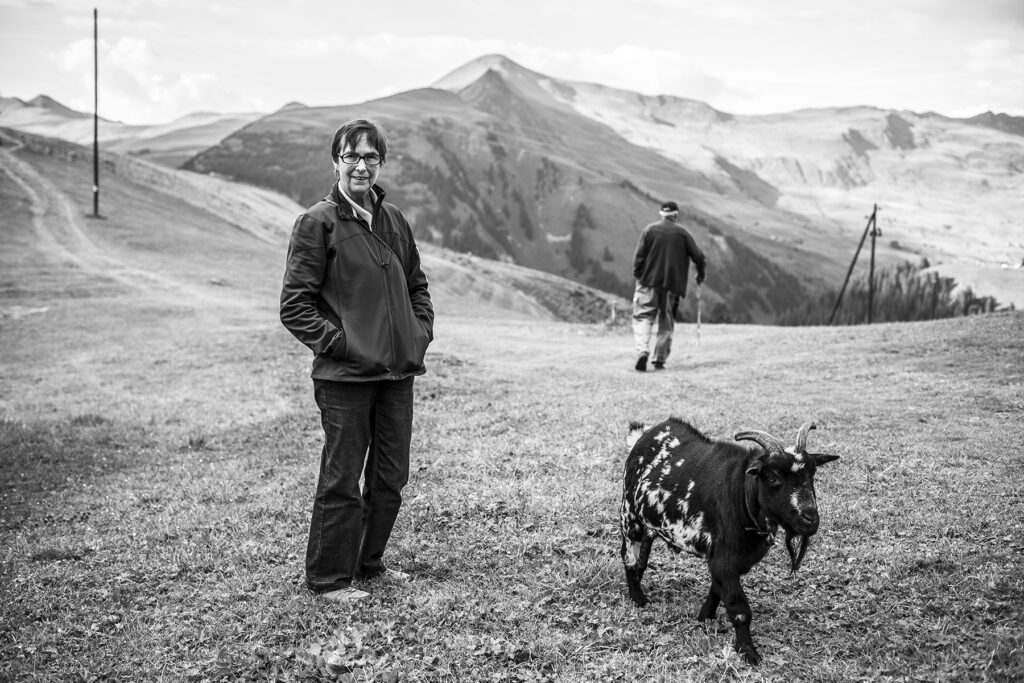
(641, 363)
(347, 594)
(659, 365)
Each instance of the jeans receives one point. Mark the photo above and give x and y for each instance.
(651, 305)
(367, 430)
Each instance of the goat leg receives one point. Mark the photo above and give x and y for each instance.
(738, 610)
(635, 554)
(710, 607)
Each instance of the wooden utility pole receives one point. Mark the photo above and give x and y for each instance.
(849, 271)
(875, 233)
(95, 116)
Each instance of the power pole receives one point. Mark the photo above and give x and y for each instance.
(849, 271)
(95, 116)
(875, 233)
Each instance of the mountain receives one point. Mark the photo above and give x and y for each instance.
(169, 143)
(174, 143)
(501, 170)
(507, 163)
(951, 190)
(51, 105)
(163, 222)
(1003, 122)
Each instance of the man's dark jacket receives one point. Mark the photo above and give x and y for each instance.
(357, 297)
(663, 257)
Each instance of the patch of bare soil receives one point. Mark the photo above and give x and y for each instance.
(64, 235)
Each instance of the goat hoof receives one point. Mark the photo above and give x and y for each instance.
(750, 656)
(639, 598)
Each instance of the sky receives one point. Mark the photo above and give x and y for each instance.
(162, 59)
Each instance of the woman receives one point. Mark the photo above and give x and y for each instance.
(355, 294)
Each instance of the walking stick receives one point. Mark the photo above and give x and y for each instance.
(698, 315)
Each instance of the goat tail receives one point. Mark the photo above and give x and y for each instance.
(636, 430)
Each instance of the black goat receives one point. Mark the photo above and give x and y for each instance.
(720, 500)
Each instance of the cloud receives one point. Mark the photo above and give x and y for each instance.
(994, 71)
(737, 55)
(133, 90)
(874, 13)
(994, 54)
(646, 70)
(407, 62)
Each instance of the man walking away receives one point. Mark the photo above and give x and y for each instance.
(661, 267)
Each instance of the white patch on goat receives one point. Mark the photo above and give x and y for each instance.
(798, 461)
(660, 438)
(662, 454)
(632, 554)
(673, 442)
(684, 503)
(801, 500)
(684, 506)
(634, 436)
(688, 534)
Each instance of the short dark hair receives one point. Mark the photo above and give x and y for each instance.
(352, 131)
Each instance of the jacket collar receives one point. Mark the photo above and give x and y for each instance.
(335, 197)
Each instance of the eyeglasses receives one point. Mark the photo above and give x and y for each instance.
(352, 159)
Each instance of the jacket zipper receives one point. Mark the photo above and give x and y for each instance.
(384, 265)
(384, 274)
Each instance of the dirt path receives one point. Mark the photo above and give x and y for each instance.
(65, 237)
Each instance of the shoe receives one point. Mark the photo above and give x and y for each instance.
(641, 363)
(347, 594)
(388, 574)
(659, 365)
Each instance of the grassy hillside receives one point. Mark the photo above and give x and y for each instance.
(171, 222)
(169, 144)
(490, 171)
(159, 447)
(504, 162)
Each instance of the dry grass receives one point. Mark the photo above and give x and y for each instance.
(158, 465)
(178, 555)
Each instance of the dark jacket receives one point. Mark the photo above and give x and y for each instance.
(663, 257)
(357, 298)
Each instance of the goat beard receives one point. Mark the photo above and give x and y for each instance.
(796, 544)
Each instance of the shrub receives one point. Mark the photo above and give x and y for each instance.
(903, 293)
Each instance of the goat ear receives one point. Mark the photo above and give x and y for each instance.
(822, 458)
(755, 466)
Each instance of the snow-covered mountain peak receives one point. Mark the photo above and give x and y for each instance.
(472, 71)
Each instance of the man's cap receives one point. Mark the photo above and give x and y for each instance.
(669, 207)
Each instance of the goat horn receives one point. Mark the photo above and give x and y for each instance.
(801, 437)
(767, 441)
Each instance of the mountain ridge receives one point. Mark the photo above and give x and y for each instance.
(491, 171)
(251, 226)
(506, 162)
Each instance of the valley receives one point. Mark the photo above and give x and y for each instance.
(159, 445)
(503, 163)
